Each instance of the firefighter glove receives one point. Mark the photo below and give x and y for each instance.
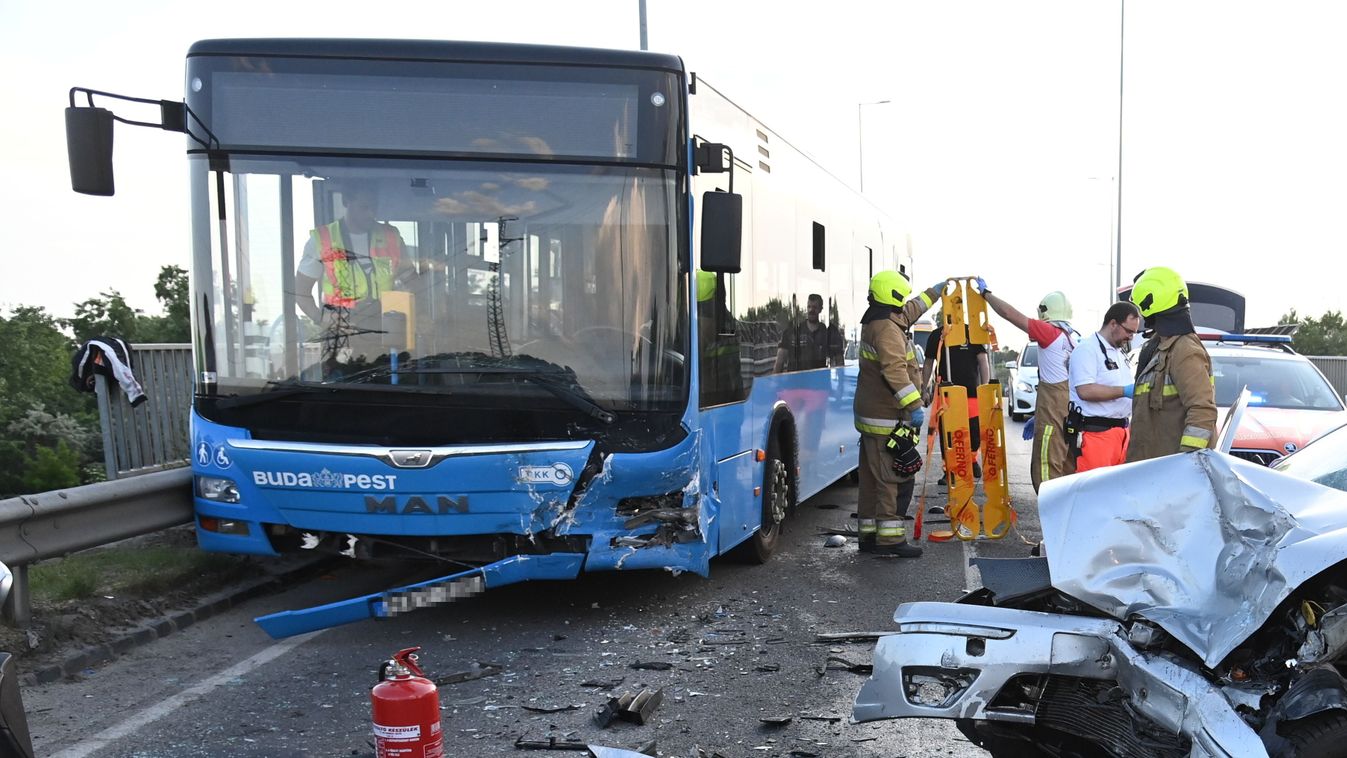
(902, 445)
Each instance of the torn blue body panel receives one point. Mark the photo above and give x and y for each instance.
(511, 508)
(445, 589)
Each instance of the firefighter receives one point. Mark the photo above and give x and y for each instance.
(889, 413)
(722, 378)
(1174, 398)
(1052, 332)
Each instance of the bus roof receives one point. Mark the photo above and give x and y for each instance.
(435, 50)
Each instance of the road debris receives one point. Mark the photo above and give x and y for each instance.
(552, 708)
(636, 709)
(551, 743)
(849, 636)
(599, 751)
(478, 671)
(835, 540)
(838, 662)
(467, 701)
(652, 665)
(776, 720)
(603, 684)
(829, 719)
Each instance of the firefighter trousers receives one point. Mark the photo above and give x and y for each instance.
(1051, 457)
(884, 495)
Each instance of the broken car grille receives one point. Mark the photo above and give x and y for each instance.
(1261, 457)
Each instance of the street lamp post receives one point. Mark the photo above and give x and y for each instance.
(860, 139)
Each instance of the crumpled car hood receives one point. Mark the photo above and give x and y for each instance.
(1203, 544)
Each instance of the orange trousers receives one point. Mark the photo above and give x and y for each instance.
(1100, 449)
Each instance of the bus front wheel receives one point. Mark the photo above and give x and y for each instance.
(778, 500)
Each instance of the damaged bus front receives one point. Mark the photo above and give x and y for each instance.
(441, 307)
(486, 305)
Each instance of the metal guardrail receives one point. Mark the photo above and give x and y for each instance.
(52, 524)
(153, 436)
(1334, 368)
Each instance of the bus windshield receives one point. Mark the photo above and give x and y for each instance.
(545, 283)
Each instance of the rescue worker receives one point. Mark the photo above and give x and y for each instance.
(1174, 400)
(722, 379)
(1101, 391)
(889, 411)
(355, 257)
(1055, 337)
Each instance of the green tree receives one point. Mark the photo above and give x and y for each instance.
(34, 368)
(999, 360)
(108, 314)
(1326, 335)
(51, 468)
(175, 325)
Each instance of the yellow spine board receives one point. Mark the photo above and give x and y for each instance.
(951, 306)
(979, 326)
(998, 515)
(963, 512)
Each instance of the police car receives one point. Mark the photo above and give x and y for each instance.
(1291, 402)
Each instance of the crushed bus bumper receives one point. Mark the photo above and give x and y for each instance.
(476, 504)
(445, 589)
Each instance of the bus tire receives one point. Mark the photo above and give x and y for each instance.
(778, 500)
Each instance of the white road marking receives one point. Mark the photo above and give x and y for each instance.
(154, 713)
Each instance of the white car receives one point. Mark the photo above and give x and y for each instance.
(1023, 392)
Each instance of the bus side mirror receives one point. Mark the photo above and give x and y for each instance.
(722, 231)
(88, 139)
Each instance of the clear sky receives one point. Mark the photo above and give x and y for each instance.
(997, 150)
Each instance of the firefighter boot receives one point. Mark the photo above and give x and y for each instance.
(865, 541)
(900, 550)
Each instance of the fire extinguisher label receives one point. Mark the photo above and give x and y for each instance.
(412, 732)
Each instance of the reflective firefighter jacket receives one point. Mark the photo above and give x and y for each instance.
(1174, 401)
(889, 385)
(346, 280)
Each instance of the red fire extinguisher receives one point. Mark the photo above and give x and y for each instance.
(406, 710)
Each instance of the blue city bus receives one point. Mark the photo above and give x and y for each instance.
(526, 311)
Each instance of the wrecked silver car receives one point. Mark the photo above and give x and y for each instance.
(1193, 605)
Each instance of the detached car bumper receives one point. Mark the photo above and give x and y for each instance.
(951, 661)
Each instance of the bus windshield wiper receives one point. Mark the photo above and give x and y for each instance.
(571, 392)
(280, 391)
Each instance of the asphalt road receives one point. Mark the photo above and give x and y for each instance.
(740, 645)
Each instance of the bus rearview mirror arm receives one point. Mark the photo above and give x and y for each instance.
(88, 134)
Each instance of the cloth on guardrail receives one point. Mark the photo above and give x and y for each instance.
(111, 357)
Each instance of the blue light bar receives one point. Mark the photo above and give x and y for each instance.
(1283, 339)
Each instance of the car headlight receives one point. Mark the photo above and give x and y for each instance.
(217, 489)
(1024, 387)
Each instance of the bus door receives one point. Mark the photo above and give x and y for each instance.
(731, 427)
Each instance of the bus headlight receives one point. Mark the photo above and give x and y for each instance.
(217, 489)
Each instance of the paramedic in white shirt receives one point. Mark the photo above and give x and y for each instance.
(1101, 390)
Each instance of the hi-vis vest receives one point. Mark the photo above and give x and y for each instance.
(345, 281)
